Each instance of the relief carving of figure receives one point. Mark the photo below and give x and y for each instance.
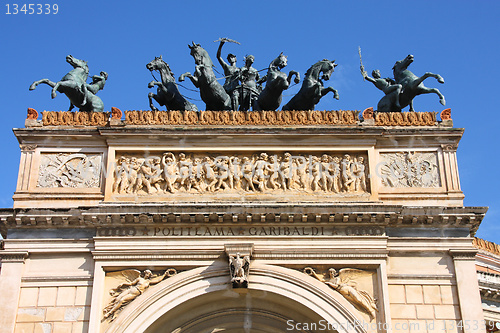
(136, 282)
(341, 281)
(173, 172)
(238, 268)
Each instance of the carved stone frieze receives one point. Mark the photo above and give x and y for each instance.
(75, 170)
(343, 282)
(339, 173)
(409, 169)
(68, 118)
(241, 118)
(405, 119)
(132, 284)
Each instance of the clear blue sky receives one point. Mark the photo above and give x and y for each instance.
(457, 39)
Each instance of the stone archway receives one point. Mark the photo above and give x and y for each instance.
(202, 300)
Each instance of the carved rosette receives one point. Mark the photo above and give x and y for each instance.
(69, 170)
(169, 173)
(409, 169)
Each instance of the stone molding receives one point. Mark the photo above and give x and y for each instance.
(463, 254)
(13, 257)
(27, 148)
(362, 217)
(244, 249)
(239, 118)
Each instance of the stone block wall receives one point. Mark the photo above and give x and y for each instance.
(53, 309)
(424, 308)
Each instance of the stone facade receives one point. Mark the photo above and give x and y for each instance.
(239, 221)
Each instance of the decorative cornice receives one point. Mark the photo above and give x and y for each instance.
(359, 220)
(405, 119)
(13, 257)
(485, 245)
(236, 118)
(68, 118)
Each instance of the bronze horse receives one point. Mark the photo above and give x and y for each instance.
(276, 81)
(74, 86)
(211, 91)
(412, 84)
(312, 87)
(167, 93)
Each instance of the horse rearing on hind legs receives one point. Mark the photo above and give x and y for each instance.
(211, 91)
(74, 86)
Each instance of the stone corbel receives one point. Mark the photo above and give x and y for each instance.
(239, 263)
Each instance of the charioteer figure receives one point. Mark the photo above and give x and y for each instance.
(231, 72)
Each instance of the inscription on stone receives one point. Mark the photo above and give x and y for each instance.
(247, 231)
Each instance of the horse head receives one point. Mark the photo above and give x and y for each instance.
(327, 68)
(158, 64)
(77, 63)
(279, 62)
(200, 55)
(402, 65)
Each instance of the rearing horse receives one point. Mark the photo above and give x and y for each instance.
(412, 84)
(276, 81)
(167, 93)
(312, 87)
(211, 91)
(73, 85)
